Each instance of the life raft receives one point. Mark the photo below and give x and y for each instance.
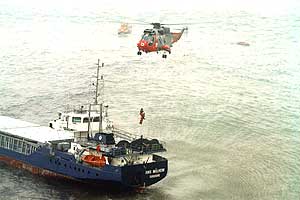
(95, 161)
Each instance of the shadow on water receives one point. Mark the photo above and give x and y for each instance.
(24, 185)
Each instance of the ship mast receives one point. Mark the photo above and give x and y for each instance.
(96, 98)
(97, 83)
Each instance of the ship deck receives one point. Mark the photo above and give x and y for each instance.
(32, 131)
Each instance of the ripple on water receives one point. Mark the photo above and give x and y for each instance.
(228, 113)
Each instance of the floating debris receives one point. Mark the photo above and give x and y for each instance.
(243, 43)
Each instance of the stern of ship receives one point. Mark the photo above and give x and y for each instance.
(146, 174)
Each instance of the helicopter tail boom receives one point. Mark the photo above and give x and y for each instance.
(177, 36)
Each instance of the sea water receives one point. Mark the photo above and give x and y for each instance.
(229, 114)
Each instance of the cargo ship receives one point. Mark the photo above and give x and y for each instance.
(100, 156)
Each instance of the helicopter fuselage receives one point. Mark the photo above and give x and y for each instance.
(154, 40)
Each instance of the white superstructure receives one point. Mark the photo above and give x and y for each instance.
(89, 119)
(32, 131)
(82, 120)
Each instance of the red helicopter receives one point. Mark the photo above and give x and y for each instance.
(159, 38)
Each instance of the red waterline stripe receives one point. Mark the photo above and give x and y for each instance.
(32, 169)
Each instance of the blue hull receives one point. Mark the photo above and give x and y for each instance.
(63, 165)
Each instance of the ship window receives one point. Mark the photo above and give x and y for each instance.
(28, 148)
(23, 147)
(96, 119)
(97, 174)
(10, 143)
(2, 141)
(88, 172)
(6, 142)
(65, 165)
(83, 171)
(19, 145)
(15, 144)
(86, 120)
(76, 119)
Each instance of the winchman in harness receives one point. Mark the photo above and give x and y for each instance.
(142, 116)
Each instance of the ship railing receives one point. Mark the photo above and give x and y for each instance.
(132, 137)
(149, 148)
(84, 111)
(80, 109)
(122, 151)
(125, 135)
(129, 136)
(138, 143)
(80, 136)
(115, 152)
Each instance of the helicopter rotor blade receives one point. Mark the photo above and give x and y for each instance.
(140, 22)
(178, 23)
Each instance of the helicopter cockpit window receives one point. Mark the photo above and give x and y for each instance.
(149, 38)
(145, 37)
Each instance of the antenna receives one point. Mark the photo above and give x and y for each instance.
(97, 81)
(96, 95)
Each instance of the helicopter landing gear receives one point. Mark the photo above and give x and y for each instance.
(139, 53)
(164, 56)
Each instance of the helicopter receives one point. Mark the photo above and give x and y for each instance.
(159, 38)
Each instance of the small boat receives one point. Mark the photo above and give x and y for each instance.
(125, 28)
(94, 160)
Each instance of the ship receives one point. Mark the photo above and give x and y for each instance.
(72, 148)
